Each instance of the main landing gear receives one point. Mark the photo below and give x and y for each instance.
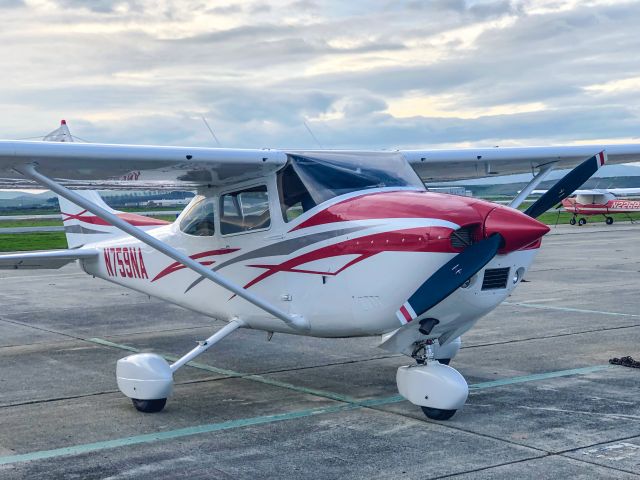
(147, 378)
(435, 387)
(608, 220)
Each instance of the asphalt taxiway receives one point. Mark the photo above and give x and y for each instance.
(544, 401)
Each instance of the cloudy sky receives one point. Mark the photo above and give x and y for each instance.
(361, 74)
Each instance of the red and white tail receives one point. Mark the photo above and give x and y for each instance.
(81, 226)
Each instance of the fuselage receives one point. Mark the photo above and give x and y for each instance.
(616, 205)
(346, 264)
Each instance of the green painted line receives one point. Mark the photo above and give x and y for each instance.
(169, 358)
(568, 309)
(169, 435)
(351, 404)
(538, 376)
(234, 374)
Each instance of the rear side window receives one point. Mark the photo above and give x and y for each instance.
(199, 219)
(244, 210)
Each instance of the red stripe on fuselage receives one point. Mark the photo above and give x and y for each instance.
(400, 204)
(174, 267)
(423, 239)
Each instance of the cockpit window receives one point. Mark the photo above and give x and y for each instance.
(244, 210)
(295, 199)
(308, 179)
(199, 219)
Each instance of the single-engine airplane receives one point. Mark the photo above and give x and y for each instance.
(318, 243)
(601, 202)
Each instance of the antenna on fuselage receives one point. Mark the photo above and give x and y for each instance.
(211, 131)
(311, 133)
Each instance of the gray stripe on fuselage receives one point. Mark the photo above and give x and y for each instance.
(285, 247)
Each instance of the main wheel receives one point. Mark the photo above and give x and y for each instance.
(149, 406)
(573, 221)
(609, 220)
(438, 413)
(582, 221)
(444, 361)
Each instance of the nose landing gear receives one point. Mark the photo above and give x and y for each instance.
(438, 389)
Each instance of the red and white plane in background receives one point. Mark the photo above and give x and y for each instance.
(601, 202)
(318, 243)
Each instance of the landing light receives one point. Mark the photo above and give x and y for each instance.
(517, 276)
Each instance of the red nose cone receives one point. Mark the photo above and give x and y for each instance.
(517, 229)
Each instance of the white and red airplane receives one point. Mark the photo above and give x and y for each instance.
(318, 243)
(601, 202)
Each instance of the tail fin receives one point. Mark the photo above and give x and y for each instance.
(82, 227)
(60, 134)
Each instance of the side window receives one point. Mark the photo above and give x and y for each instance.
(244, 210)
(294, 196)
(199, 219)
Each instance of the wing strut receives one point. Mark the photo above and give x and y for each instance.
(295, 322)
(531, 186)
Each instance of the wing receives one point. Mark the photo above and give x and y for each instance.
(459, 164)
(91, 165)
(48, 259)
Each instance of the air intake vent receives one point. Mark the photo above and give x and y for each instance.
(495, 278)
(462, 238)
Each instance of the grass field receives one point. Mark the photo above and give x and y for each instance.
(20, 242)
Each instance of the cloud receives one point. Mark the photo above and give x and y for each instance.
(11, 3)
(464, 72)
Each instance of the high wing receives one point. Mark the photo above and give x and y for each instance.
(47, 259)
(90, 165)
(460, 164)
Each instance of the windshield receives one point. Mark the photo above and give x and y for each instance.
(312, 178)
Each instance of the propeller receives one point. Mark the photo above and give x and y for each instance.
(567, 185)
(451, 276)
(504, 230)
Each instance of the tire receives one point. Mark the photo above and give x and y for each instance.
(444, 361)
(149, 406)
(609, 220)
(572, 221)
(582, 221)
(437, 413)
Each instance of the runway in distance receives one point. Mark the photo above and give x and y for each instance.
(322, 243)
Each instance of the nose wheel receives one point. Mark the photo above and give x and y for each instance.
(149, 406)
(438, 413)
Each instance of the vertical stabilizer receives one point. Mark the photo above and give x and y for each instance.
(60, 134)
(81, 226)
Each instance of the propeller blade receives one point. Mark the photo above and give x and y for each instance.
(448, 278)
(567, 185)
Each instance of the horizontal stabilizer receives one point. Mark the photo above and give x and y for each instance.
(49, 259)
